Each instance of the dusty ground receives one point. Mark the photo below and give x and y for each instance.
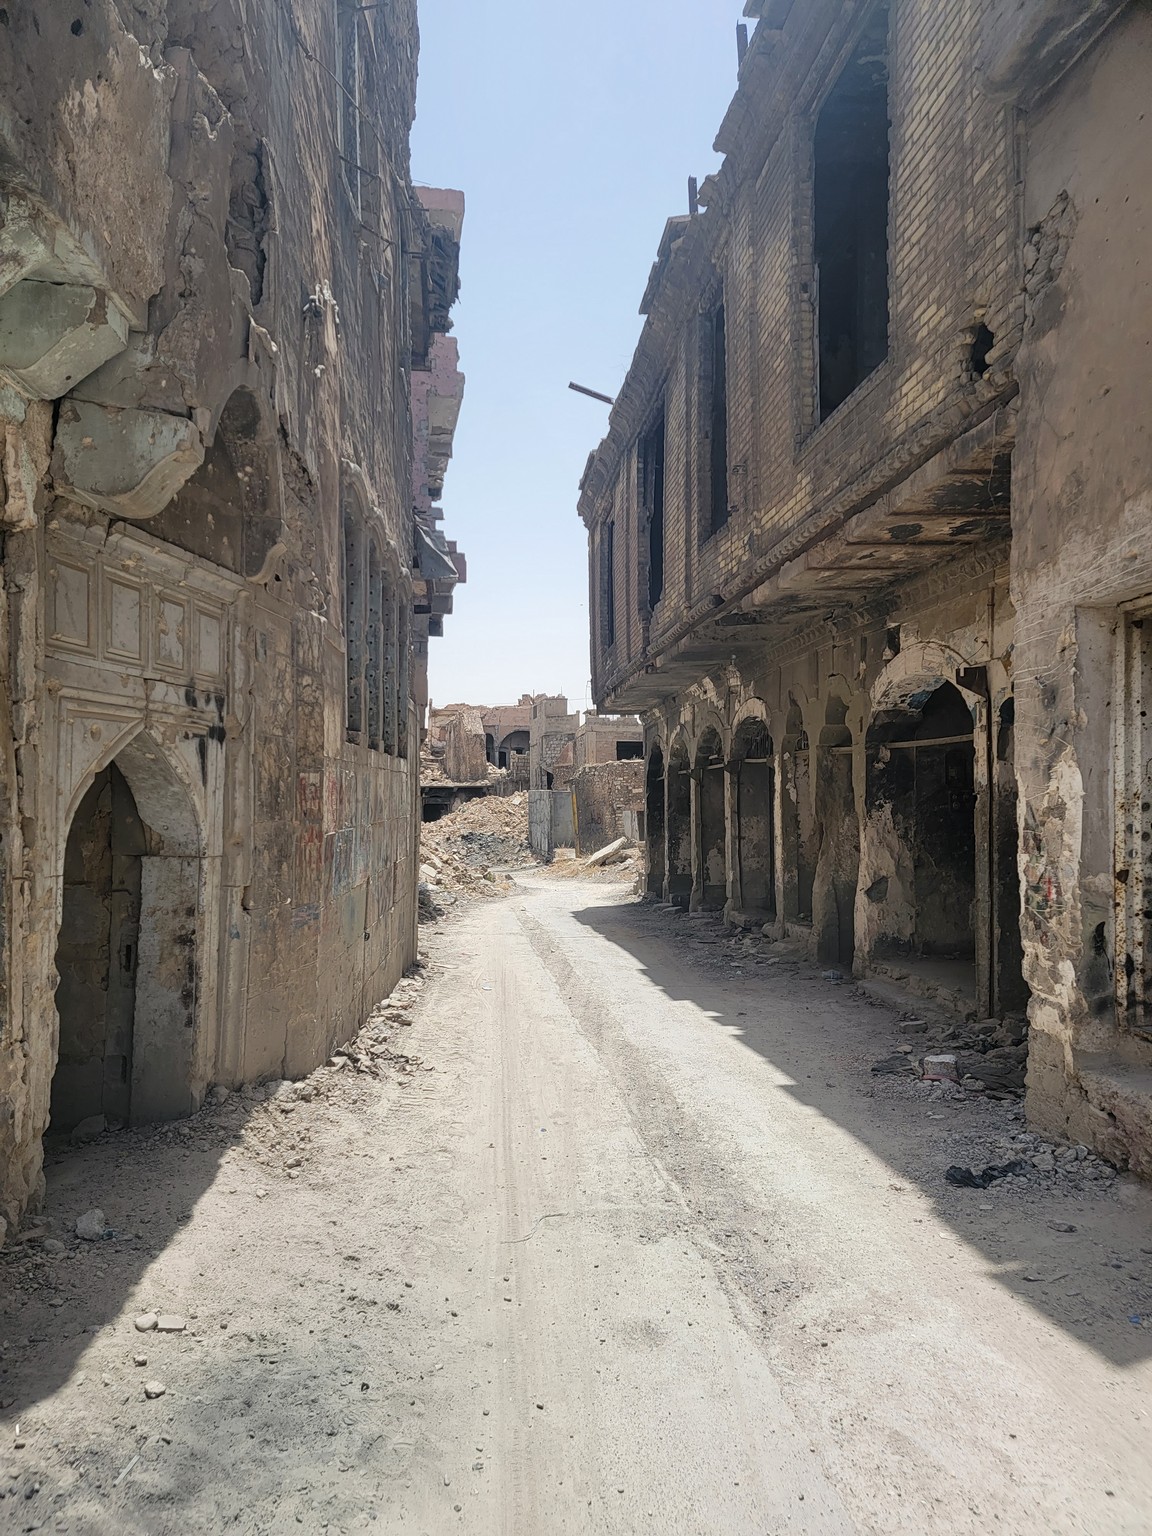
(625, 1237)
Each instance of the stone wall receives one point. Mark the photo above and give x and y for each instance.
(1082, 582)
(202, 426)
(895, 679)
(601, 794)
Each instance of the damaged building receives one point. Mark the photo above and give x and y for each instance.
(871, 529)
(218, 290)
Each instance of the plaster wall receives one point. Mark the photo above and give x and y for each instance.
(1081, 554)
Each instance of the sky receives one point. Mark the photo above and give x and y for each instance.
(572, 131)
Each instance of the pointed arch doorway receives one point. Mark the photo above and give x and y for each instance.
(127, 952)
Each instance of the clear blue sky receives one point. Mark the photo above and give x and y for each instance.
(572, 131)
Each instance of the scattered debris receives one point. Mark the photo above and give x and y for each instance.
(894, 1066)
(91, 1226)
(964, 1178)
(939, 1069)
(607, 854)
(146, 1322)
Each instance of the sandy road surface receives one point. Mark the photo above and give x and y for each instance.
(646, 1250)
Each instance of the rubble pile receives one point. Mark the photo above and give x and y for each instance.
(988, 1057)
(624, 863)
(460, 852)
(1027, 1157)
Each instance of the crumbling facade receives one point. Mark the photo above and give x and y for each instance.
(870, 532)
(216, 288)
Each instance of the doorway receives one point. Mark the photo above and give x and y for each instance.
(679, 826)
(97, 957)
(712, 880)
(754, 777)
(921, 763)
(654, 823)
(127, 951)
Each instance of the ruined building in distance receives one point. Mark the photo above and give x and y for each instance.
(871, 529)
(226, 406)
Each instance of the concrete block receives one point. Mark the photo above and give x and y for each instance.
(54, 334)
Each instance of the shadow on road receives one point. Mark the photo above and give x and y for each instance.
(54, 1299)
(1094, 1282)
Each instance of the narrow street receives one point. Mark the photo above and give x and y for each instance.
(625, 1236)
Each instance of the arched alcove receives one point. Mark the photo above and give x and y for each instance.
(754, 819)
(1009, 989)
(712, 877)
(128, 946)
(230, 510)
(797, 826)
(513, 746)
(921, 796)
(837, 859)
(679, 825)
(654, 828)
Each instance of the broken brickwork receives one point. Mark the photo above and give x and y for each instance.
(608, 801)
(216, 286)
(869, 532)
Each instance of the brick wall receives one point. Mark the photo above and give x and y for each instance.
(953, 264)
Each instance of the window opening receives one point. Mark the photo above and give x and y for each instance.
(652, 504)
(374, 658)
(354, 620)
(390, 628)
(716, 394)
(629, 751)
(851, 184)
(403, 672)
(982, 344)
(608, 583)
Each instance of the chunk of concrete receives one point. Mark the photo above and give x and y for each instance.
(124, 462)
(52, 335)
(606, 854)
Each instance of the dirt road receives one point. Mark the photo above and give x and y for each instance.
(634, 1242)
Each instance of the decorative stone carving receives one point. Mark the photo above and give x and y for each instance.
(128, 463)
(54, 334)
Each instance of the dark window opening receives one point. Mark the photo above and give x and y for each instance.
(716, 396)
(608, 584)
(390, 649)
(652, 505)
(354, 620)
(982, 344)
(374, 657)
(629, 751)
(851, 220)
